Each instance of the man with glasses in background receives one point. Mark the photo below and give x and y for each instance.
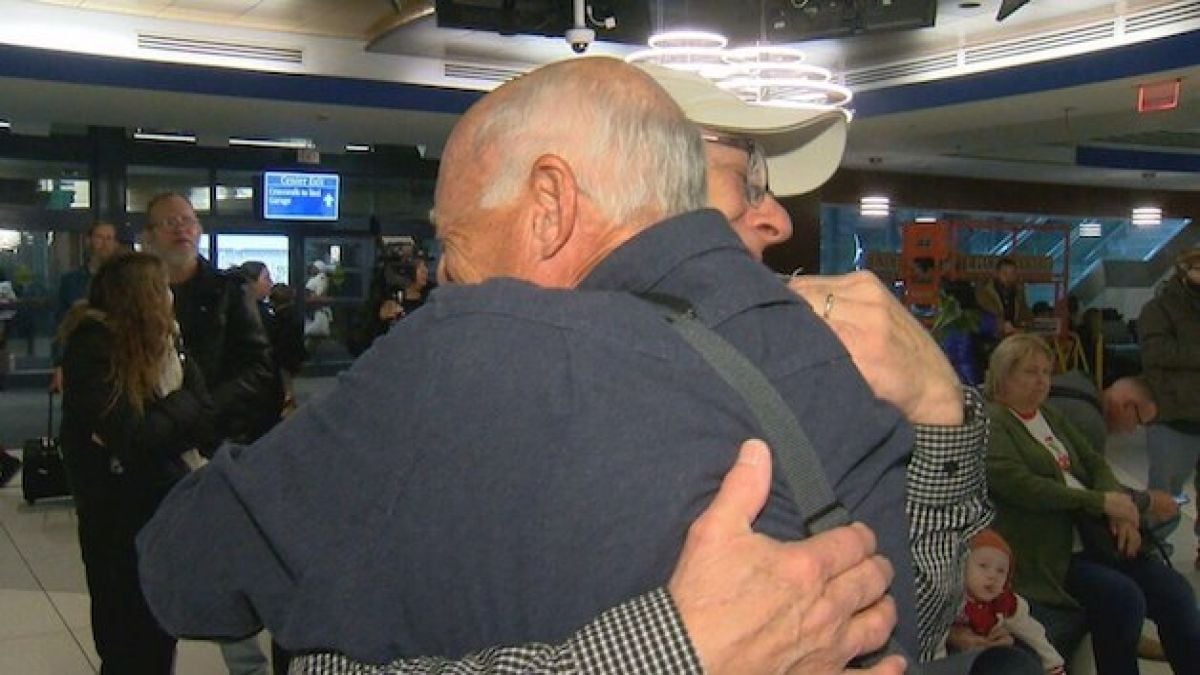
(222, 331)
(101, 244)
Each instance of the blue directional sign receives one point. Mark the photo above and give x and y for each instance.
(300, 196)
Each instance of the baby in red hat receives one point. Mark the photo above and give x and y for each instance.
(992, 611)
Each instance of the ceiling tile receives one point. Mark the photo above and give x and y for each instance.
(142, 7)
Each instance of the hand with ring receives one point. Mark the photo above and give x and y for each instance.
(895, 354)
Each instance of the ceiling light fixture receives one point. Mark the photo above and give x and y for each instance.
(1091, 230)
(1146, 216)
(874, 207)
(167, 137)
(294, 143)
(761, 74)
(5, 125)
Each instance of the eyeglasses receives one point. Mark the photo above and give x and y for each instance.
(178, 222)
(757, 181)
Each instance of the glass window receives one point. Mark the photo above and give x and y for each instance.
(336, 276)
(143, 182)
(357, 196)
(270, 249)
(404, 198)
(235, 192)
(848, 239)
(28, 312)
(52, 186)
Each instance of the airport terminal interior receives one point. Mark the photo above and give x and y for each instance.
(307, 134)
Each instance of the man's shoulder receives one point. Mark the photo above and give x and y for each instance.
(594, 313)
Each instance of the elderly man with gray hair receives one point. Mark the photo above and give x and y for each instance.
(563, 440)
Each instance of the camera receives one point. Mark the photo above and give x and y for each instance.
(580, 38)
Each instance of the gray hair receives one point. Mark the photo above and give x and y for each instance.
(629, 155)
(1010, 352)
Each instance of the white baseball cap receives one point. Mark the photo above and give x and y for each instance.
(803, 147)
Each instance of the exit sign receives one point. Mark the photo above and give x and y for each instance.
(1158, 96)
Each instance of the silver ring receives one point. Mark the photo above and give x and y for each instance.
(828, 306)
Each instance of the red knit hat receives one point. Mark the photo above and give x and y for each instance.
(990, 538)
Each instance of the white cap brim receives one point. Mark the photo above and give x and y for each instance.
(803, 147)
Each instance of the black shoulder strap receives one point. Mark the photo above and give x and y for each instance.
(792, 448)
(781, 430)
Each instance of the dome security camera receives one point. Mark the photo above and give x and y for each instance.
(580, 39)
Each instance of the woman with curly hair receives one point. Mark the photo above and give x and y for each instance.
(135, 415)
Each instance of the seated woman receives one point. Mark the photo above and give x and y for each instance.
(1046, 481)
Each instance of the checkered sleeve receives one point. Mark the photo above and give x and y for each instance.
(643, 635)
(947, 505)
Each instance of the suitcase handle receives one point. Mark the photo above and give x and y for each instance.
(50, 418)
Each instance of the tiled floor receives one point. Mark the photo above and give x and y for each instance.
(44, 626)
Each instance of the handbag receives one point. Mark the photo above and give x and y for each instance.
(781, 430)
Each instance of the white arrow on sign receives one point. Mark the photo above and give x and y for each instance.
(328, 201)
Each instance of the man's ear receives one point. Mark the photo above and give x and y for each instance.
(556, 202)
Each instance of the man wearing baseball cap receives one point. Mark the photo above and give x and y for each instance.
(757, 152)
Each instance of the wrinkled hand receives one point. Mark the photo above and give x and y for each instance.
(893, 351)
(1128, 538)
(55, 380)
(1119, 507)
(754, 605)
(1163, 507)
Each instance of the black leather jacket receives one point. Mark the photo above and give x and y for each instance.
(224, 334)
(96, 429)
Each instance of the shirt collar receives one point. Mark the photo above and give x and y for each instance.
(641, 263)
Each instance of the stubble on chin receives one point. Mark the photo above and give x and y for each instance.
(177, 256)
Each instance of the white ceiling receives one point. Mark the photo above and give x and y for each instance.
(1027, 137)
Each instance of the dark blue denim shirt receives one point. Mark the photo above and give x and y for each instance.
(509, 461)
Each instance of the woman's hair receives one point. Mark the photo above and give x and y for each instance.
(252, 270)
(1011, 351)
(129, 296)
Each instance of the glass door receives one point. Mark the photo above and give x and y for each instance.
(336, 279)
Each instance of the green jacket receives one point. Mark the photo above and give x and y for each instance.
(1169, 334)
(1035, 510)
(988, 299)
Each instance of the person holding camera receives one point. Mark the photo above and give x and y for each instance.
(400, 287)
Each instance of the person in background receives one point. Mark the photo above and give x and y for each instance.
(991, 613)
(1121, 408)
(399, 288)
(276, 309)
(135, 412)
(1048, 484)
(1003, 296)
(223, 333)
(101, 243)
(286, 333)
(1169, 334)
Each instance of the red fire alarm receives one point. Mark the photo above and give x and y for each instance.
(1158, 96)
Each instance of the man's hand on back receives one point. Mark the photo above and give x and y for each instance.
(751, 604)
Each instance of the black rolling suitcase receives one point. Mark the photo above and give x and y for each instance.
(43, 474)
